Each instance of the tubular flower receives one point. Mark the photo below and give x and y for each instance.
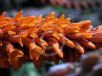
(52, 39)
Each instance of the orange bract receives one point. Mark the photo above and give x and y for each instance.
(51, 39)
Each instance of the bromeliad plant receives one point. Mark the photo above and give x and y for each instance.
(52, 39)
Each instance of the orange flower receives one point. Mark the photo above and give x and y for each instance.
(35, 39)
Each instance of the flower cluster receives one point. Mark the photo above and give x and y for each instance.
(35, 39)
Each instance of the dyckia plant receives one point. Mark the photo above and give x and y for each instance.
(36, 39)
